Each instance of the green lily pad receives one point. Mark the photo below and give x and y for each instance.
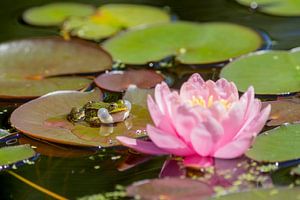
(55, 13)
(191, 43)
(45, 118)
(264, 194)
(87, 28)
(274, 7)
(12, 154)
(33, 67)
(112, 18)
(277, 145)
(270, 72)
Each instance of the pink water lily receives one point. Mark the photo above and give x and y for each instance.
(205, 120)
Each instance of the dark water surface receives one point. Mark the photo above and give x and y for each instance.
(78, 174)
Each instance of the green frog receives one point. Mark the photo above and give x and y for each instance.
(97, 113)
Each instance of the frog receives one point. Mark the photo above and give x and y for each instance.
(96, 113)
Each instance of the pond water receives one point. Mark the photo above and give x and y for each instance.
(77, 172)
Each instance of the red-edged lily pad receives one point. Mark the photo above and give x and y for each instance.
(45, 118)
(284, 111)
(170, 188)
(119, 81)
(33, 67)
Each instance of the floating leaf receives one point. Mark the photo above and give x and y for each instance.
(263, 194)
(170, 188)
(45, 118)
(284, 111)
(34, 67)
(270, 72)
(86, 28)
(191, 43)
(12, 154)
(274, 7)
(277, 145)
(55, 13)
(119, 81)
(112, 18)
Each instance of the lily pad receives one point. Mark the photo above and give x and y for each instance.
(55, 13)
(45, 118)
(284, 111)
(112, 18)
(170, 188)
(12, 154)
(119, 81)
(270, 72)
(274, 7)
(33, 67)
(277, 145)
(191, 43)
(263, 194)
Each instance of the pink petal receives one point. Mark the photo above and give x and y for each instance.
(257, 123)
(233, 122)
(141, 146)
(218, 111)
(184, 121)
(261, 120)
(196, 161)
(160, 91)
(196, 80)
(160, 120)
(234, 149)
(205, 135)
(168, 142)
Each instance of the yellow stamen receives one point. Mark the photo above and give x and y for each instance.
(199, 101)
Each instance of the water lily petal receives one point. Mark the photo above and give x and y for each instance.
(161, 121)
(184, 122)
(257, 123)
(168, 142)
(235, 148)
(233, 122)
(202, 140)
(160, 91)
(141, 146)
(197, 161)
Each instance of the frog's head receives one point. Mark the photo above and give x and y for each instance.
(114, 112)
(120, 105)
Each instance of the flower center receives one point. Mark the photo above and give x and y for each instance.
(199, 101)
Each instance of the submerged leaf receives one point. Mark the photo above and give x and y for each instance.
(12, 154)
(277, 145)
(55, 13)
(33, 67)
(45, 118)
(269, 72)
(170, 188)
(191, 43)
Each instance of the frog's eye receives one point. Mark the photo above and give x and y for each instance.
(104, 116)
(127, 104)
(112, 106)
